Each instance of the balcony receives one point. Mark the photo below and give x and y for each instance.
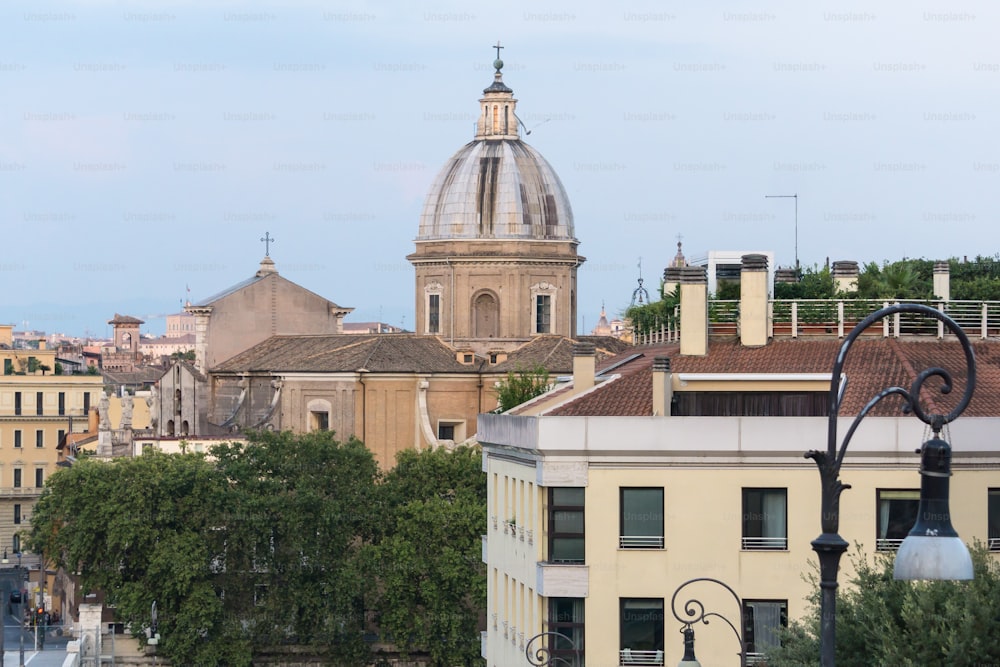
(20, 491)
(640, 542)
(995, 544)
(630, 656)
(765, 543)
(562, 580)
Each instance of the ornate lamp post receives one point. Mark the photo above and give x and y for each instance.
(932, 550)
(695, 612)
(542, 656)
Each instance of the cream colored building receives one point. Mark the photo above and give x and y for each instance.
(680, 461)
(36, 411)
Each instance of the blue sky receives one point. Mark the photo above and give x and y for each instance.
(146, 147)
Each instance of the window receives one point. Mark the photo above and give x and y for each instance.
(39, 438)
(765, 519)
(39, 477)
(17, 400)
(641, 631)
(62, 402)
(17, 437)
(319, 421)
(17, 513)
(566, 536)
(641, 519)
(16, 543)
(38, 403)
(763, 621)
(543, 313)
(433, 313)
(8, 367)
(993, 512)
(17, 478)
(897, 512)
(86, 403)
(566, 618)
(60, 435)
(446, 431)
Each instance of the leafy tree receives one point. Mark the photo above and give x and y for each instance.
(905, 279)
(881, 621)
(59, 368)
(520, 386)
(299, 510)
(187, 355)
(651, 316)
(92, 370)
(141, 530)
(428, 557)
(814, 283)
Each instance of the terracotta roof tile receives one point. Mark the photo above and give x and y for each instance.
(871, 365)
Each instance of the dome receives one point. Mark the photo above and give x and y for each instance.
(497, 189)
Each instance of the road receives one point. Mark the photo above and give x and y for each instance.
(54, 654)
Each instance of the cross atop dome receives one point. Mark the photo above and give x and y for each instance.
(497, 120)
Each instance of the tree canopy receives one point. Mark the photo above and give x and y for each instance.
(520, 386)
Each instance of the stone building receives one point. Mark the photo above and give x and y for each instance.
(496, 256)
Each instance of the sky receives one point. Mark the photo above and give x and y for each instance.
(146, 148)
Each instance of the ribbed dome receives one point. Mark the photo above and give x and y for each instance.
(497, 189)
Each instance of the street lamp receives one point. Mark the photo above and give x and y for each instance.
(542, 656)
(932, 550)
(695, 612)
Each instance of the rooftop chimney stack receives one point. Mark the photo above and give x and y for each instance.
(663, 390)
(845, 276)
(942, 281)
(584, 366)
(753, 301)
(694, 311)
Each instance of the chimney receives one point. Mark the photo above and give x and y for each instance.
(942, 281)
(42, 344)
(671, 279)
(584, 364)
(845, 276)
(694, 310)
(788, 276)
(753, 301)
(663, 390)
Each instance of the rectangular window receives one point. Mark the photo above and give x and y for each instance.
(763, 621)
(86, 403)
(543, 313)
(62, 402)
(39, 477)
(641, 631)
(17, 513)
(566, 536)
(765, 519)
(320, 420)
(433, 313)
(566, 618)
(8, 367)
(17, 402)
(17, 478)
(897, 512)
(446, 431)
(60, 435)
(39, 438)
(17, 438)
(993, 512)
(38, 403)
(641, 518)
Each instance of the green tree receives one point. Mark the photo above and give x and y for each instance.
(814, 283)
(427, 557)
(881, 621)
(651, 316)
(93, 370)
(300, 507)
(904, 279)
(142, 530)
(520, 386)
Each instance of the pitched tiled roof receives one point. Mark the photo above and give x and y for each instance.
(387, 353)
(555, 353)
(871, 365)
(125, 319)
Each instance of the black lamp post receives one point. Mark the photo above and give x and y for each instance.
(694, 612)
(932, 550)
(542, 656)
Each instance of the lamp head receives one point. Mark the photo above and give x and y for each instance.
(688, 660)
(932, 549)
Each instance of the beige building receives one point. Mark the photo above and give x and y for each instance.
(496, 257)
(249, 312)
(681, 461)
(37, 410)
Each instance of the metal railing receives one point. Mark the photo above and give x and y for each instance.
(765, 543)
(995, 544)
(640, 542)
(631, 656)
(887, 544)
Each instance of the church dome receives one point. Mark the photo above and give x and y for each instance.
(497, 186)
